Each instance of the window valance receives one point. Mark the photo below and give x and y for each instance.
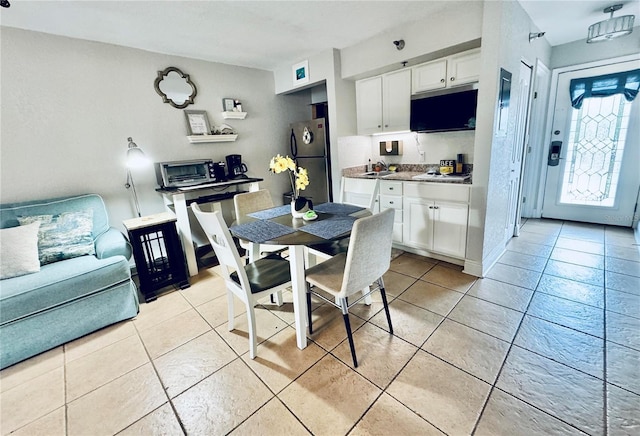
(626, 83)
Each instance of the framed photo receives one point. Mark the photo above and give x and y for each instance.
(301, 73)
(228, 104)
(197, 123)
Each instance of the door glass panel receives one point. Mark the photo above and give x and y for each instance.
(595, 148)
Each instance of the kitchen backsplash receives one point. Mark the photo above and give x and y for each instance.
(418, 148)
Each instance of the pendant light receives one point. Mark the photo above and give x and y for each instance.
(611, 28)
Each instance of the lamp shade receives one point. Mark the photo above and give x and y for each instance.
(135, 156)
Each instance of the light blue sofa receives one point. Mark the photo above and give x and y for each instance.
(70, 298)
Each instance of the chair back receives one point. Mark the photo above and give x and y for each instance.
(248, 202)
(359, 192)
(222, 243)
(369, 254)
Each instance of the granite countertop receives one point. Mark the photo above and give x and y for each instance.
(406, 173)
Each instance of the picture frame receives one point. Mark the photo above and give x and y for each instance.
(228, 104)
(197, 122)
(300, 73)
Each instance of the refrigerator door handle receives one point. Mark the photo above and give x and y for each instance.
(294, 145)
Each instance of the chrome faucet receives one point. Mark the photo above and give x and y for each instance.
(382, 164)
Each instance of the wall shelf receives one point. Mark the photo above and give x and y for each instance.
(231, 115)
(201, 139)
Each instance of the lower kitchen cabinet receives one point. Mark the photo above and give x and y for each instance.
(435, 218)
(429, 217)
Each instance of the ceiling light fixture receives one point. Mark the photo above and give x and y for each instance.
(611, 28)
(399, 44)
(535, 35)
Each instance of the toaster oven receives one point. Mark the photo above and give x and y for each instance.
(178, 174)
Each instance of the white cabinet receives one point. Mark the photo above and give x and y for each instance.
(383, 103)
(391, 198)
(454, 70)
(435, 218)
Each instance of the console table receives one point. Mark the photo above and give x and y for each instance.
(213, 193)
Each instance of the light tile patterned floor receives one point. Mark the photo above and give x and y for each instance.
(548, 343)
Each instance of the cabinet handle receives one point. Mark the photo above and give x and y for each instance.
(452, 79)
(391, 202)
(386, 125)
(430, 207)
(379, 126)
(390, 189)
(436, 207)
(441, 80)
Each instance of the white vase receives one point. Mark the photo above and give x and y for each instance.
(299, 213)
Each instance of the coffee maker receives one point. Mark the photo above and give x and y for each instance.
(235, 166)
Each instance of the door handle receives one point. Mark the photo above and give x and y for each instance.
(554, 153)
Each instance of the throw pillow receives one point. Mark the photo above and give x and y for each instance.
(19, 251)
(63, 236)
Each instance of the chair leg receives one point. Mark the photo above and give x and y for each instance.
(251, 321)
(385, 304)
(309, 311)
(347, 325)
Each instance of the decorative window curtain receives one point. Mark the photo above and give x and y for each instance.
(626, 83)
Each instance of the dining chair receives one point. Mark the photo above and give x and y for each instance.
(364, 263)
(249, 202)
(357, 192)
(248, 282)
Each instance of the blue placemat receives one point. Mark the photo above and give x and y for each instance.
(271, 213)
(260, 231)
(338, 208)
(331, 227)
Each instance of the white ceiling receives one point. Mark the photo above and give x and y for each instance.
(266, 34)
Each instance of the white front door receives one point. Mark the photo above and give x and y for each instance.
(596, 177)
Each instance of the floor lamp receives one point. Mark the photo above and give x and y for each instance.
(135, 159)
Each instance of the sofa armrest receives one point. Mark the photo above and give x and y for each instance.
(112, 243)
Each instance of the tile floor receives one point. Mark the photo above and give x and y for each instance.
(548, 343)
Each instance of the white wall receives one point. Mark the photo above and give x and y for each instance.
(457, 24)
(340, 94)
(505, 43)
(69, 105)
(579, 52)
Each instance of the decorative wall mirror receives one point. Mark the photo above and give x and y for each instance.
(175, 88)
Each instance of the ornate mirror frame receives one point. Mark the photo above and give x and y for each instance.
(162, 75)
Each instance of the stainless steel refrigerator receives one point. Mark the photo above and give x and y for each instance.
(310, 150)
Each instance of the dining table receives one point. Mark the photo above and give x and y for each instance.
(277, 226)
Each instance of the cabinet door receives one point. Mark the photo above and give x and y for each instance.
(417, 228)
(396, 101)
(450, 228)
(431, 75)
(369, 105)
(464, 68)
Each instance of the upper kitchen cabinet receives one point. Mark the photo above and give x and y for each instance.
(454, 70)
(383, 103)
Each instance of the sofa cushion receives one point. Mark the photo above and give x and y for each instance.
(19, 251)
(60, 283)
(10, 211)
(63, 236)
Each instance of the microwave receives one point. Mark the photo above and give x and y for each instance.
(178, 174)
(444, 112)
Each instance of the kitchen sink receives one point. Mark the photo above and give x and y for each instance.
(376, 173)
(429, 176)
